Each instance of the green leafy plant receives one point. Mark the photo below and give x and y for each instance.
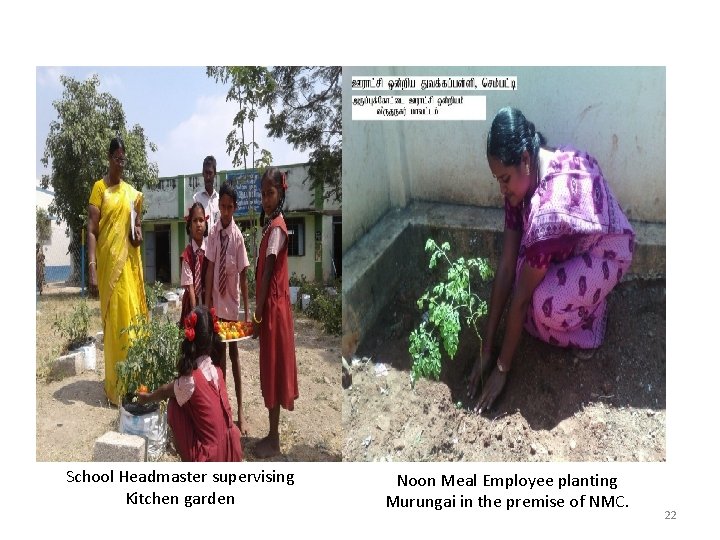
(151, 356)
(325, 306)
(43, 226)
(153, 293)
(327, 309)
(74, 327)
(296, 281)
(447, 303)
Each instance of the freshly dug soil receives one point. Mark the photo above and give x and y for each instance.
(555, 406)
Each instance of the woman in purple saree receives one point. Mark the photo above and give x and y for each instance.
(566, 245)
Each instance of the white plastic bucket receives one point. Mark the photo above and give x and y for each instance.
(305, 301)
(293, 294)
(152, 426)
(89, 357)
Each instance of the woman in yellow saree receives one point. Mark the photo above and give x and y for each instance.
(116, 272)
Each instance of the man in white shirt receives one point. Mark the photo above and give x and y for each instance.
(208, 197)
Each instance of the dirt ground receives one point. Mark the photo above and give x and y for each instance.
(73, 412)
(555, 407)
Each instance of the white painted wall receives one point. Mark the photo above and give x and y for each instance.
(299, 196)
(193, 184)
(56, 250)
(616, 114)
(162, 203)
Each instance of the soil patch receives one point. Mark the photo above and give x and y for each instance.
(555, 407)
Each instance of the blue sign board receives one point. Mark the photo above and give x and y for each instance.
(247, 186)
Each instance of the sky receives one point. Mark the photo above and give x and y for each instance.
(183, 111)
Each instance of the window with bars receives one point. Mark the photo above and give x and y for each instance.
(296, 236)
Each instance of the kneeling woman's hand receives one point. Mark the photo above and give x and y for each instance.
(493, 386)
(479, 370)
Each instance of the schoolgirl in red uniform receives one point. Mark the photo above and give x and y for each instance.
(272, 320)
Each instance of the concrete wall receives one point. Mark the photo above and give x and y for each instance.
(616, 114)
(299, 196)
(304, 265)
(162, 203)
(56, 250)
(191, 185)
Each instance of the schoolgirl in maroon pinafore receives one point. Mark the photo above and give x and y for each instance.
(193, 262)
(273, 321)
(199, 411)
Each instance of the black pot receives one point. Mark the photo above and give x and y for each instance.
(137, 409)
(81, 343)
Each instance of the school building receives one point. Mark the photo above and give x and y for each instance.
(314, 225)
(58, 260)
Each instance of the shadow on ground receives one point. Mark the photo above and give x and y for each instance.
(89, 392)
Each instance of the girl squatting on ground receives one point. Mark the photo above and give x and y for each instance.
(199, 411)
(272, 320)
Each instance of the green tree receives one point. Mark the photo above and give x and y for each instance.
(253, 88)
(43, 229)
(305, 107)
(76, 152)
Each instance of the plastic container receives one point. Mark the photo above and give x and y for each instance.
(89, 357)
(147, 421)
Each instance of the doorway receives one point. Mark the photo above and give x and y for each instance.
(162, 253)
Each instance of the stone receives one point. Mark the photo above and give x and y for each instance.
(68, 365)
(114, 446)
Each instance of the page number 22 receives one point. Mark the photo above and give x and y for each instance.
(670, 514)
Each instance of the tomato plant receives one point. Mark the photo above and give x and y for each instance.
(152, 354)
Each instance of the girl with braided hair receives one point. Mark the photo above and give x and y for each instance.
(272, 320)
(198, 409)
